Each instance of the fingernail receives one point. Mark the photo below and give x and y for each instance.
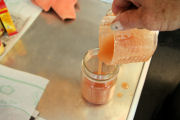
(116, 26)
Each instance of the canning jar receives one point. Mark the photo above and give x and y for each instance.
(98, 79)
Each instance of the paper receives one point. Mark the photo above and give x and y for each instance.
(35, 114)
(107, 1)
(12, 109)
(40, 118)
(20, 93)
(23, 13)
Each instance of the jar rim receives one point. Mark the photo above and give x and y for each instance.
(98, 77)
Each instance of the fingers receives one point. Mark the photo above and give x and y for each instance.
(149, 14)
(136, 3)
(128, 19)
(140, 18)
(119, 6)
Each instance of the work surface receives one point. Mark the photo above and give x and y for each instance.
(54, 49)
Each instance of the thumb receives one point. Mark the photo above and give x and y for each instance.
(127, 20)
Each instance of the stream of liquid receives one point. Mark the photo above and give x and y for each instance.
(100, 68)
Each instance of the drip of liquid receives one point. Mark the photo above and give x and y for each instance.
(125, 85)
(119, 95)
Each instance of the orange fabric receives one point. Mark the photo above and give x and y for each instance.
(135, 45)
(128, 46)
(44, 4)
(64, 8)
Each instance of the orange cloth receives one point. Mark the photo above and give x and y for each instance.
(64, 8)
(44, 4)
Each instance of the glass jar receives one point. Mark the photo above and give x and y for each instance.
(97, 87)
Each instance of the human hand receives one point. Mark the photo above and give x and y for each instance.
(163, 15)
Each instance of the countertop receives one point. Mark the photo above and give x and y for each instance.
(54, 49)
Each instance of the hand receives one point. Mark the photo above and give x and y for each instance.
(163, 15)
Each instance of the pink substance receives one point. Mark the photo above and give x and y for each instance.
(97, 93)
(121, 47)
